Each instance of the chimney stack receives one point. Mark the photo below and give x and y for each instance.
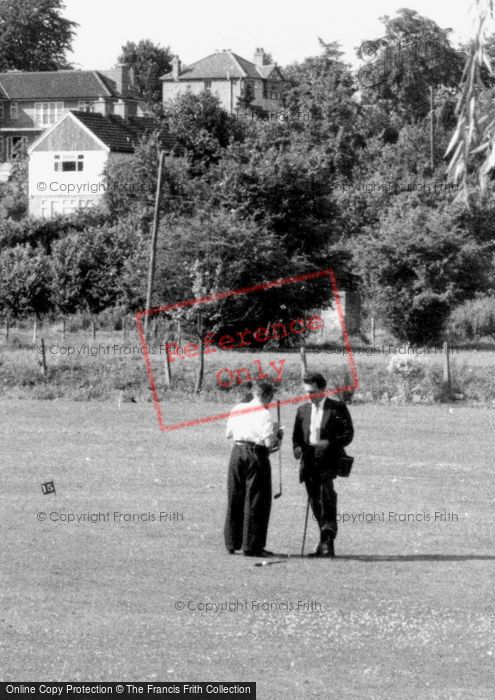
(175, 67)
(259, 57)
(122, 78)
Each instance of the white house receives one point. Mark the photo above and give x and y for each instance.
(67, 162)
(229, 76)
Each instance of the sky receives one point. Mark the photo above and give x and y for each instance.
(289, 30)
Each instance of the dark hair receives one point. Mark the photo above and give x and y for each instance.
(264, 389)
(246, 391)
(315, 378)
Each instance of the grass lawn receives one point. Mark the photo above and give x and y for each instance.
(405, 610)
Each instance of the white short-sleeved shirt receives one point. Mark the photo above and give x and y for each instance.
(255, 426)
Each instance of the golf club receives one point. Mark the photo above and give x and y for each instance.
(305, 528)
(269, 563)
(277, 495)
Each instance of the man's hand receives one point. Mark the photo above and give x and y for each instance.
(280, 433)
(298, 452)
(323, 443)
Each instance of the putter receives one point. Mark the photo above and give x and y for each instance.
(305, 528)
(277, 495)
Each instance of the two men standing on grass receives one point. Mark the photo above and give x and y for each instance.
(323, 427)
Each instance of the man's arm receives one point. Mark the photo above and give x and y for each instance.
(342, 428)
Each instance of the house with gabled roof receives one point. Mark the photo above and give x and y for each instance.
(32, 101)
(230, 77)
(67, 162)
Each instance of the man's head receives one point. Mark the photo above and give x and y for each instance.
(263, 391)
(314, 383)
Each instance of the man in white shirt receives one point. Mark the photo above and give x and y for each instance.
(249, 485)
(322, 429)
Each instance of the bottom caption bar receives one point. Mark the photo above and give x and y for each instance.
(125, 690)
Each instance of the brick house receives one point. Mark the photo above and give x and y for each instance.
(31, 102)
(67, 162)
(228, 76)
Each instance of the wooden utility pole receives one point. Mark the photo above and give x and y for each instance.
(432, 128)
(154, 236)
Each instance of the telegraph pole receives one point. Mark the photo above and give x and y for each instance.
(432, 128)
(154, 236)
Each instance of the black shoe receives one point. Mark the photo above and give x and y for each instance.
(327, 548)
(257, 553)
(230, 551)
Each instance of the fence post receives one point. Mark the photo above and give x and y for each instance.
(303, 361)
(168, 372)
(373, 330)
(7, 328)
(35, 330)
(446, 367)
(43, 357)
(63, 328)
(124, 327)
(93, 329)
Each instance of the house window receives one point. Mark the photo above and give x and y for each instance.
(265, 90)
(47, 113)
(85, 106)
(68, 164)
(69, 206)
(1, 111)
(207, 84)
(14, 110)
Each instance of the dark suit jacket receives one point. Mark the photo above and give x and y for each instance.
(336, 426)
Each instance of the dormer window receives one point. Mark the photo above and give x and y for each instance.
(207, 84)
(14, 111)
(47, 113)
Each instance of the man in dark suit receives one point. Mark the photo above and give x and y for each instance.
(322, 429)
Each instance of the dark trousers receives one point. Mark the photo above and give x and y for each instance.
(249, 498)
(323, 502)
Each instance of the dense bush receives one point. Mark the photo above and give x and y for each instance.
(473, 319)
(25, 281)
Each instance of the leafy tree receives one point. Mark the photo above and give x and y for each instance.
(422, 264)
(149, 62)
(25, 281)
(131, 183)
(413, 55)
(217, 251)
(34, 36)
(101, 269)
(472, 147)
(13, 193)
(201, 128)
(321, 105)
